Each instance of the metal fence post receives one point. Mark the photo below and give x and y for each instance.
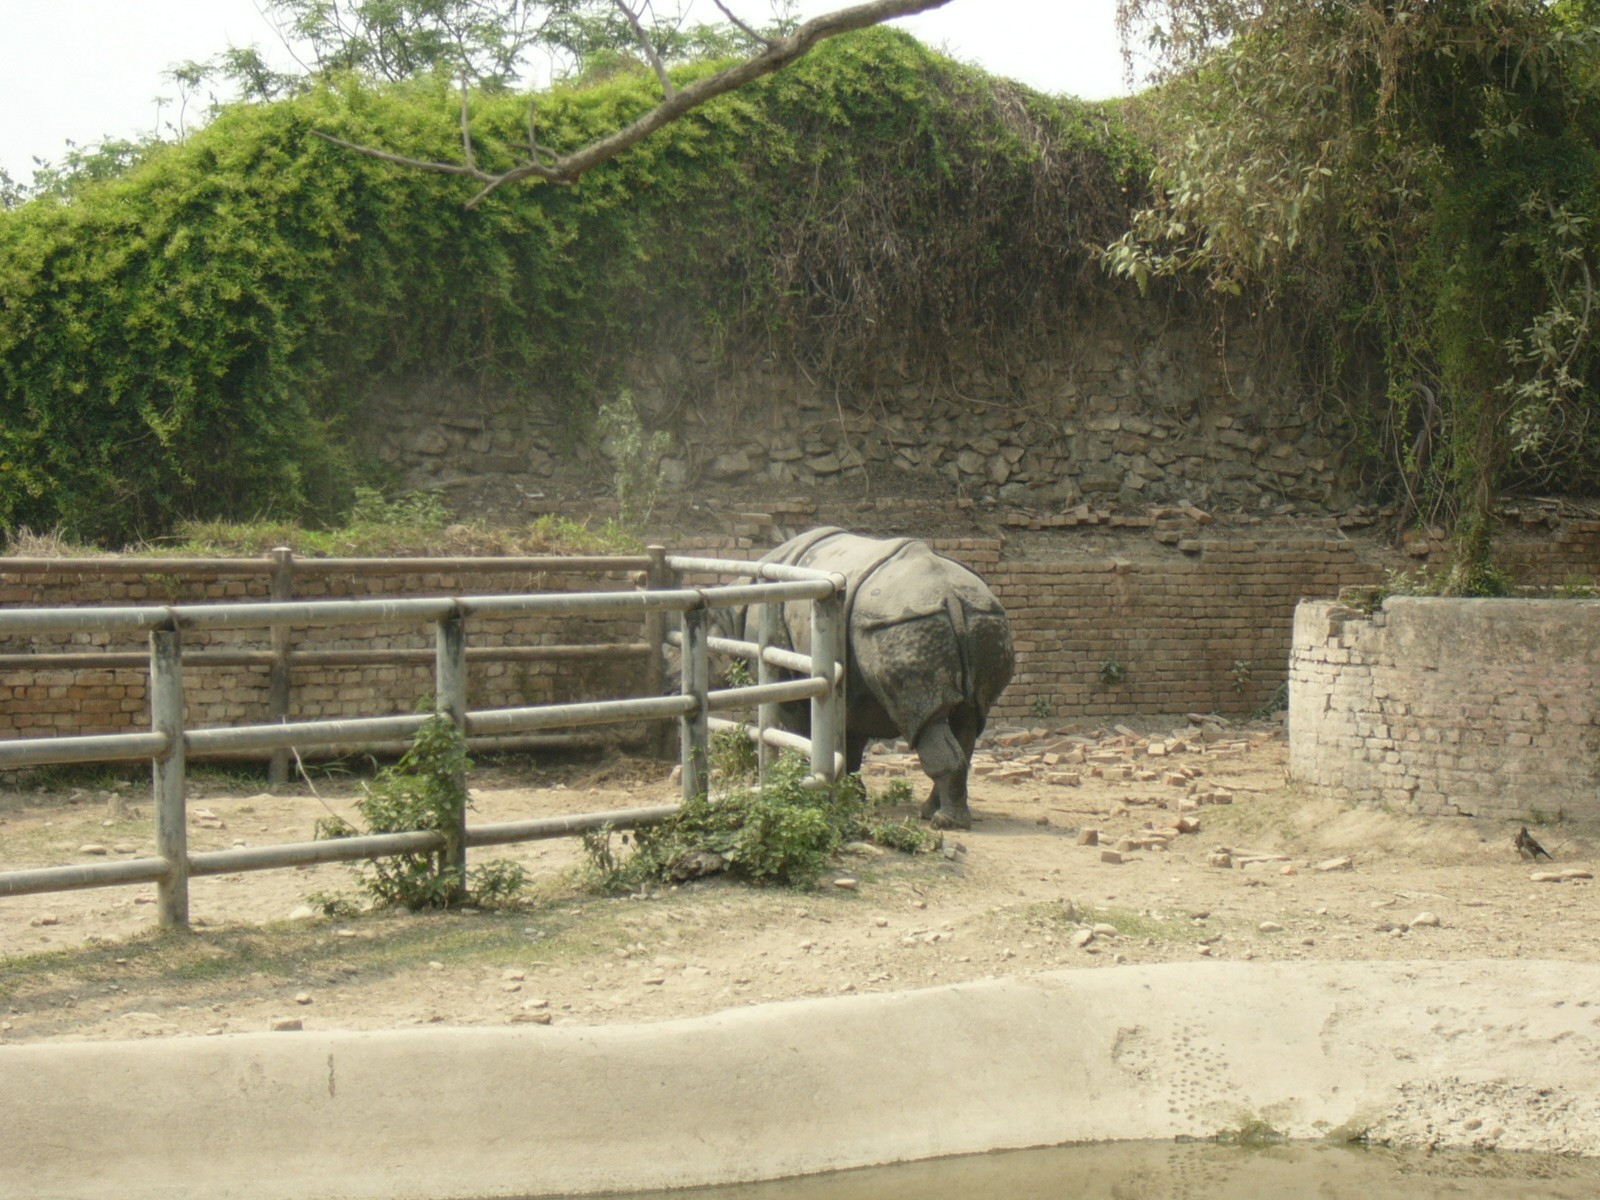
(281, 588)
(693, 728)
(767, 714)
(172, 828)
(657, 578)
(450, 700)
(827, 711)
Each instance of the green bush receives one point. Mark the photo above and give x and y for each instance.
(780, 833)
(425, 790)
(197, 337)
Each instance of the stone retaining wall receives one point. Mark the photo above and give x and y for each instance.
(1435, 706)
(1143, 401)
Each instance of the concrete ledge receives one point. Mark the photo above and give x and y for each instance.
(811, 1086)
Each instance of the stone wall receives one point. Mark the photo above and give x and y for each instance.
(1141, 402)
(1488, 708)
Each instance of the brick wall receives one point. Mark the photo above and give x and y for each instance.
(1194, 616)
(1433, 706)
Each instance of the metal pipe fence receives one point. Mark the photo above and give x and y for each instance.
(169, 743)
(281, 568)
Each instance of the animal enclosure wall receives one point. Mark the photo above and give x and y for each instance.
(1437, 706)
(1136, 615)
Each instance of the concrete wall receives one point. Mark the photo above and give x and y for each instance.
(1489, 708)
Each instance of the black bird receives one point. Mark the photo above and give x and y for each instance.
(1526, 845)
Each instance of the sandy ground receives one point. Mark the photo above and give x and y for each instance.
(1019, 893)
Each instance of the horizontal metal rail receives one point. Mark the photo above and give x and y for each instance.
(80, 659)
(81, 876)
(775, 655)
(251, 615)
(108, 747)
(305, 854)
(772, 736)
(216, 568)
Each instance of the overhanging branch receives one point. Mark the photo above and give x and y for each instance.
(567, 168)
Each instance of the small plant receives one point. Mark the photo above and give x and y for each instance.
(1241, 672)
(1041, 708)
(636, 460)
(327, 829)
(334, 904)
(897, 794)
(425, 790)
(1112, 671)
(498, 883)
(733, 757)
(904, 835)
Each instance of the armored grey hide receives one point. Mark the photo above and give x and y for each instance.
(929, 651)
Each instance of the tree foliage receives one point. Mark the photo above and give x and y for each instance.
(1417, 179)
(194, 337)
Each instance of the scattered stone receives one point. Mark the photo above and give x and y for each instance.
(1104, 930)
(535, 1002)
(1082, 938)
(435, 966)
(1187, 824)
(1221, 859)
(124, 848)
(286, 1025)
(1291, 869)
(1089, 837)
(511, 985)
(1426, 920)
(1041, 820)
(303, 913)
(531, 1018)
(862, 849)
(846, 883)
(513, 975)
(655, 980)
(1343, 863)
(1206, 950)
(1111, 856)
(1270, 927)
(46, 919)
(1546, 877)
(302, 997)
(882, 922)
(1576, 873)
(91, 848)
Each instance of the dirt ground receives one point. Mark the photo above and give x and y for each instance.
(1266, 873)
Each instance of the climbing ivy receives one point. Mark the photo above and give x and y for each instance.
(192, 338)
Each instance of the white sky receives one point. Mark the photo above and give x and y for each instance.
(89, 69)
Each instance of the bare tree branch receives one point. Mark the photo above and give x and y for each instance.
(648, 47)
(567, 168)
(749, 32)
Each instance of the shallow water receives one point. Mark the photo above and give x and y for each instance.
(1197, 1171)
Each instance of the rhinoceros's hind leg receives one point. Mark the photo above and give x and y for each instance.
(945, 756)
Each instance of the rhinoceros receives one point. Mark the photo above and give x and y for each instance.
(929, 651)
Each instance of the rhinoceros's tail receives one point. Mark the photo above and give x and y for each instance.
(958, 623)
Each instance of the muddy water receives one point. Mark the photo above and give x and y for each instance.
(1167, 1171)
